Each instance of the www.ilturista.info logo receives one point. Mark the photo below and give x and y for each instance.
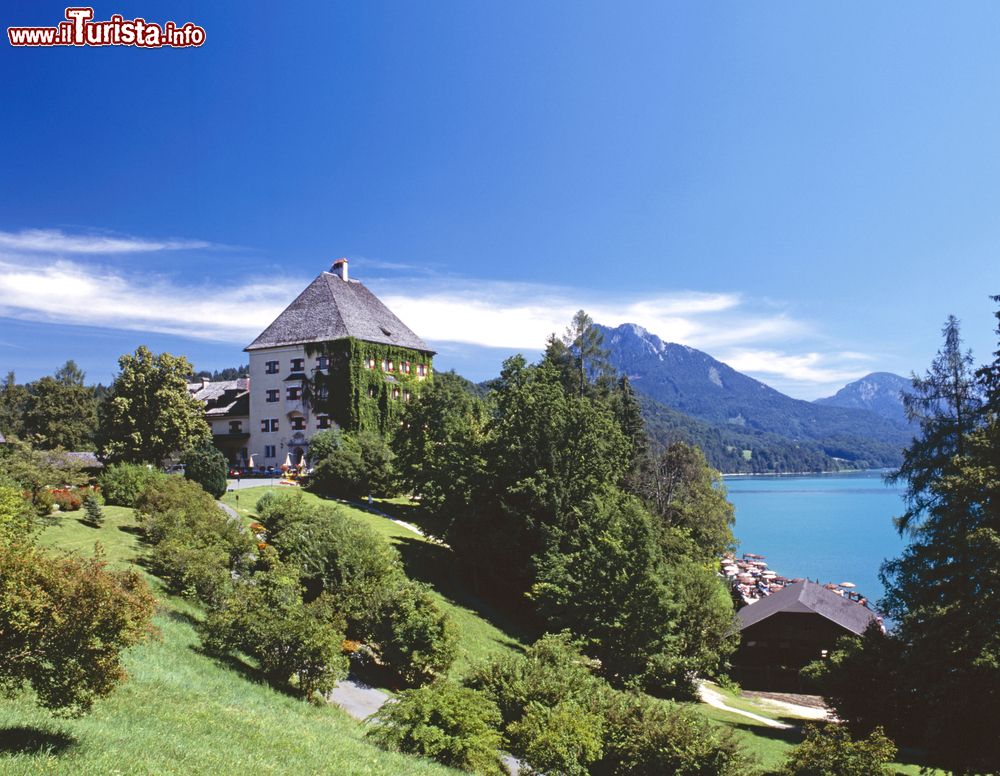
(79, 29)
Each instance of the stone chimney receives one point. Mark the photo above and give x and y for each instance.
(339, 269)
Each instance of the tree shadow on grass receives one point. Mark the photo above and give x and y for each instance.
(245, 669)
(435, 565)
(412, 512)
(134, 530)
(31, 740)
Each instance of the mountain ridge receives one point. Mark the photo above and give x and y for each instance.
(693, 383)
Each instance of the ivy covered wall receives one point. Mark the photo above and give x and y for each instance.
(358, 398)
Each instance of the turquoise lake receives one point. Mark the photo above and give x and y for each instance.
(833, 527)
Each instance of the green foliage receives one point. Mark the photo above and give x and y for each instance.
(15, 512)
(207, 466)
(38, 470)
(337, 555)
(265, 617)
(936, 678)
(443, 721)
(607, 584)
(150, 415)
(561, 739)
(61, 411)
(358, 398)
(561, 718)
(122, 483)
(64, 623)
(360, 465)
(438, 448)
(44, 502)
(13, 402)
(550, 672)
(861, 682)
(829, 751)
(342, 558)
(546, 452)
(195, 546)
(415, 637)
(645, 737)
(688, 496)
(94, 515)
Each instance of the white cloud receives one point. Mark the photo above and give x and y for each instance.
(67, 292)
(752, 336)
(57, 242)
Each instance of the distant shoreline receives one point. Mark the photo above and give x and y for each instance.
(805, 474)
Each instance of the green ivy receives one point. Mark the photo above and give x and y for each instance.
(357, 398)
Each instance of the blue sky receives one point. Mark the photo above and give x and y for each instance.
(804, 190)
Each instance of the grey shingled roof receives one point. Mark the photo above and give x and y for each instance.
(330, 309)
(805, 598)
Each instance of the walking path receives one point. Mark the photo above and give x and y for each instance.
(713, 698)
(357, 699)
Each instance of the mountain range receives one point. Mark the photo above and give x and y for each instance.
(744, 425)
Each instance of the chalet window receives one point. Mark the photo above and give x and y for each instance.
(235, 427)
(272, 394)
(298, 364)
(421, 370)
(321, 392)
(294, 392)
(395, 393)
(371, 392)
(407, 396)
(269, 451)
(323, 421)
(322, 362)
(405, 366)
(385, 365)
(298, 424)
(265, 425)
(390, 365)
(271, 368)
(371, 363)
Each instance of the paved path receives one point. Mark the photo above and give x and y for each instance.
(713, 698)
(357, 699)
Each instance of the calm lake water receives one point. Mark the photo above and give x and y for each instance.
(833, 527)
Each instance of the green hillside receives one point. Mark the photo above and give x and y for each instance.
(182, 712)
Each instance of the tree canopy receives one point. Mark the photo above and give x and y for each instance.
(149, 414)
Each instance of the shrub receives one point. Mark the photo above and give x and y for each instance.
(207, 466)
(64, 622)
(650, 737)
(550, 672)
(563, 739)
(337, 554)
(196, 547)
(416, 639)
(443, 721)
(94, 514)
(266, 618)
(43, 501)
(66, 500)
(359, 466)
(829, 751)
(15, 512)
(121, 483)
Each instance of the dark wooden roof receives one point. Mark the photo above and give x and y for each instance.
(331, 309)
(809, 598)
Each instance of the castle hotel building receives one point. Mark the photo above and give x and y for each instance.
(336, 357)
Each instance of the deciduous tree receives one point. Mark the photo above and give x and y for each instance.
(150, 415)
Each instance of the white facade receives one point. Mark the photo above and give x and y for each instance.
(281, 423)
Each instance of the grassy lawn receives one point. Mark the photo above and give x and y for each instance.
(182, 712)
(482, 630)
